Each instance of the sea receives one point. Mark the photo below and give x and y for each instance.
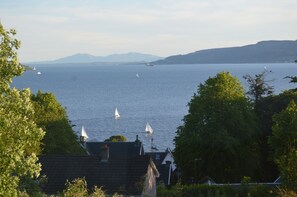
(158, 95)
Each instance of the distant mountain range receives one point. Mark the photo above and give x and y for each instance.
(119, 58)
(261, 52)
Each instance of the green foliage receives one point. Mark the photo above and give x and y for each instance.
(51, 116)
(259, 87)
(10, 67)
(78, 188)
(288, 170)
(32, 187)
(20, 137)
(198, 190)
(284, 143)
(116, 138)
(266, 108)
(218, 138)
(287, 193)
(98, 192)
(284, 131)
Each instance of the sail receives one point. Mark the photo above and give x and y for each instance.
(116, 114)
(148, 128)
(83, 132)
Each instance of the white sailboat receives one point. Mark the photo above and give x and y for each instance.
(148, 128)
(84, 133)
(116, 114)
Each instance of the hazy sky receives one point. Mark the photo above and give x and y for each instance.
(50, 29)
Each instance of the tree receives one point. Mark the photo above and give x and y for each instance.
(284, 144)
(259, 86)
(20, 137)
(116, 138)
(288, 170)
(218, 137)
(51, 116)
(284, 131)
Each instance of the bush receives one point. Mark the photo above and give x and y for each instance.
(199, 190)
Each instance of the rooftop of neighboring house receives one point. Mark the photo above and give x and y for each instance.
(116, 149)
(117, 174)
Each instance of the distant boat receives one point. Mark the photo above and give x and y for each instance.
(116, 114)
(137, 75)
(149, 64)
(84, 133)
(34, 68)
(148, 128)
(38, 73)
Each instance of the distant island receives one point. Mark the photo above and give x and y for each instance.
(114, 58)
(273, 51)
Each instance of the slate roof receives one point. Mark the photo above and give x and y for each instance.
(116, 149)
(164, 169)
(157, 157)
(116, 175)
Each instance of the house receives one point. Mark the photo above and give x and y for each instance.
(135, 175)
(164, 162)
(116, 149)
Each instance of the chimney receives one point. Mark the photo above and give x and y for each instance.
(83, 139)
(104, 153)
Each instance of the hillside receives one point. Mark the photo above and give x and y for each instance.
(119, 58)
(261, 52)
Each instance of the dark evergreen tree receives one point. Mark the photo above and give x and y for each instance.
(260, 88)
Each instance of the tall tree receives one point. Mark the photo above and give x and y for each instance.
(20, 137)
(52, 117)
(218, 135)
(259, 86)
(284, 131)
(284, 144)
(259, 89)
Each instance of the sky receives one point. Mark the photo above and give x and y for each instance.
(51, 29)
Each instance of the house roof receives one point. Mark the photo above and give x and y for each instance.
(157, 157)
(164, 171)
(116, 175)
(163, 168)
(116, 149)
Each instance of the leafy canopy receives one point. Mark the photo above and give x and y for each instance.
(284, 143)
(51, 116)
(217, 138)
(284, 131)
(116, 138)
(20, 137)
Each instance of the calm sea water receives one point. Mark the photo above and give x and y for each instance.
(157, 94)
